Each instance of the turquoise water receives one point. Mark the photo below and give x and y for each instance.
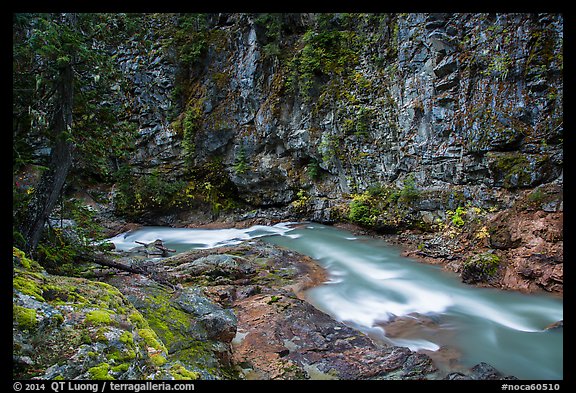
(401, 301)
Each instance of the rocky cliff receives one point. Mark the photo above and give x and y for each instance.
(467, 102)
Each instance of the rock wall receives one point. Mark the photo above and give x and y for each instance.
(466, 102)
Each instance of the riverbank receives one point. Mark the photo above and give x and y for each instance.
(516, 248)
(231, 312)
(523, 243)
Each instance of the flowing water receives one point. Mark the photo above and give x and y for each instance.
(397, 300)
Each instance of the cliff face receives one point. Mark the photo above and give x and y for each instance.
(464, 106)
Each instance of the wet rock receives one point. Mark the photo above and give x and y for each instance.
(555, 325)
(484, 371)
(290, 339)
(219, 323)
(215, 265)
(481, 267)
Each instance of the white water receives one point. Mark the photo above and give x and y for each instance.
(185, 238)
(370, 284)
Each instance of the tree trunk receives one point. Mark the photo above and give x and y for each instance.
(52, 181)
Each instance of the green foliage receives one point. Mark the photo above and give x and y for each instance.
(156, 191)
(240, 163)
(87, 228)
(409, 193)
(300, 204)
(326, 52)
(55, 251)
(274, 299)
(386, 207)
(328, 147)
(147, 192)
(362, 211)
(360, 122)
(62, 64)
(61, 246)
(457, 217)
(271, 23)
(190, 126)
(313, 169)
(43, 45)
(190, 38)
(499, 66)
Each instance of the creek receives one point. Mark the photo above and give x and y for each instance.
(397, 300)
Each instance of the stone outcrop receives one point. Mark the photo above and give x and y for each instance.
(74, 328)
(520, 248)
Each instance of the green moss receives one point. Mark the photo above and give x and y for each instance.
(127, 338)
(118, 356)
(100, 335)
(100, 372)
(25, 317)
(169, 323)
(480, 267)
(61, 292)
(21, 257)
(179, 372)
(113, 291)
(158, 360)
(98, 317)
(58, 319)
(28, 286)
(121, 368)
(511, 169)
(151, 339)
(138, 320)
(274, 299)
(85, 337)
(198, 354)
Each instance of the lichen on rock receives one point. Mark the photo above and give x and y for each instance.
(67, 327)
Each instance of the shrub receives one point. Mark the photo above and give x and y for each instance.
(361, 210)
(456, 216)
(409, 192)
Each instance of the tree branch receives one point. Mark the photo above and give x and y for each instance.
(104, 261)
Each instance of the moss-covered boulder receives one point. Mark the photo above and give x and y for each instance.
(481, 267)
(196, 331)
(74, 328)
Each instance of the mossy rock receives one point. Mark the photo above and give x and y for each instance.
(65, 327)
(480, 268)
(184, 324)
(513, 170)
